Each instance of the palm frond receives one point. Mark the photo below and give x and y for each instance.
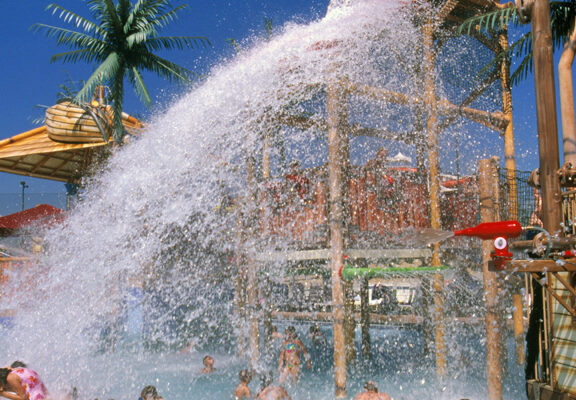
(73, 39)
(139, 86)
(105, 72)
(268, 25)
(168, 70)
(74, 19)
(177, 42)
(493, 20)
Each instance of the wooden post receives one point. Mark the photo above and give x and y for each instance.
(547, 137)
(510, 160)
(349, 323)
(567, 100)
(434, 185)
(487, 175)
(336, 161)
(518, 317)
(546, 116)
(365, 317)
(252, 277)
(266, 157)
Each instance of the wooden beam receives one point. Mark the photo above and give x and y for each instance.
(324, 254)
(567, 265)
(447, 9)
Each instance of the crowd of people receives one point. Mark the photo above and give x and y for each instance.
(19, 382)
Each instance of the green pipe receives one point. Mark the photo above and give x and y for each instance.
(348, 272)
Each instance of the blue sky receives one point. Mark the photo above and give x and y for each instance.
(28, 78)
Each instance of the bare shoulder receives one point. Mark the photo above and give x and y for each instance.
(383, 396)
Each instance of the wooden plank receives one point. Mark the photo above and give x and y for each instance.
(567, 265)
(324, 254)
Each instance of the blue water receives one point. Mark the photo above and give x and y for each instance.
(398, 365)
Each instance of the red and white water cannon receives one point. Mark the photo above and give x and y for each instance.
(500, 232)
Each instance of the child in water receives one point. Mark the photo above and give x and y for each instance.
(242, 391)
(289, 363)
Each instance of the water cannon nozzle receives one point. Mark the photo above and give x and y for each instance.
(492, 230)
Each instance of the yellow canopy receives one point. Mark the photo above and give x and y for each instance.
(34, 154)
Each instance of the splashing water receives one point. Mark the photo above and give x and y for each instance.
(153, 222)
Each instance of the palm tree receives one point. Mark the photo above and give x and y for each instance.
(121, 41)
(562, 14)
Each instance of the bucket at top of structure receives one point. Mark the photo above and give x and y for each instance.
(70, 123)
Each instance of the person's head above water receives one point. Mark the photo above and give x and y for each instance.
(370, 386)
(291, 332)
(149, 393)
(245, 376)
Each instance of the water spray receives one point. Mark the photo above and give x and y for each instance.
(500, 232)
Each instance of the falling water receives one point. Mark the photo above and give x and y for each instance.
(159, 215)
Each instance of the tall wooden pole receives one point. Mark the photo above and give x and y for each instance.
(510, 160)
(433, 175)
(518, 318)
(349, 323)
(547, 127)
(252, 278)
(567, 100)
(546, 115)
(335, 102)
(365, 317)
(488, 187)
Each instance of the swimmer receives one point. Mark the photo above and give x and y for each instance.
(271, 392)
(371, 393)
(242, 391)
(317, 336)
(289, 363)
(208, 362)
(21, 384)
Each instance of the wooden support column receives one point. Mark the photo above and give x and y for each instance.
(251, 272)
(488, 188)
(365, 317)
(547, 139)
(546, 116)
(518, 318)
(434, 185)
(335, 103)
(510, 160)
(349, 323)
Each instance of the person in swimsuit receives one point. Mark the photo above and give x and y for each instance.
(289, 363)
(21, 384)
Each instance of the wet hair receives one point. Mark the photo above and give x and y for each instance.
(245, 376)
(371, 386)
(206, 357)
(4, 376)
(147, 391)
(18, 364)
(266, 379)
